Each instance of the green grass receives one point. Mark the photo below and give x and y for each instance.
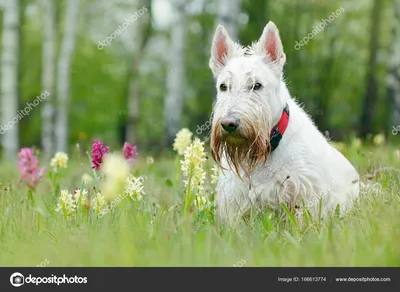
(151, 233)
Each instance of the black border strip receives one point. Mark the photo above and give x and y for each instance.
(203, 279)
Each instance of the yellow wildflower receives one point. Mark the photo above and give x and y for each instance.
(150, 160)
(201, 202)
(379, 139)
(99, 204)
(182, 140)
(59, 160)
(192, 165)
(66, 204)
(134, 187)
(214, 174)
(81, 196)
(116, 170)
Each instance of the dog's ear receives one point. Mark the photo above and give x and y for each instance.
(270, 44)
(221, 49)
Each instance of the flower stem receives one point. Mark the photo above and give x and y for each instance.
(177, 167)
(188, 195)
(30, 196)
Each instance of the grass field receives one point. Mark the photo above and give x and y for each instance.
(152, 232)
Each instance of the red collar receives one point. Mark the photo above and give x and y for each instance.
(279, 129)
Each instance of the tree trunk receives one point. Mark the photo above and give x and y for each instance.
(228, 13)
(48, 73)
(142, 37)
(173, 103)
(372, 87)
(9, 79)
(326, 87)
(393, 78)
(63, 78)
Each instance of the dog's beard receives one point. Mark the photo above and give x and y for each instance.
(243, 150)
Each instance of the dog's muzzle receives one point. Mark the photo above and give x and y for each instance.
(230, 124)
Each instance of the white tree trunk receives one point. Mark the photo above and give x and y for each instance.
(228, 13)
(393, 78)
(9, 78)
(63, 78)
(48, 73)
(141, 36)
(173, 102)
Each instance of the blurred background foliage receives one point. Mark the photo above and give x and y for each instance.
(330, 75)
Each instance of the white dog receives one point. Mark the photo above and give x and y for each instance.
(268, 149)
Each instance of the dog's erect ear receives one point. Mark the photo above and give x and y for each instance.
(270, 44)
(221, 50)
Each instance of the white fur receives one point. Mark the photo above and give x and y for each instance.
(304, 167)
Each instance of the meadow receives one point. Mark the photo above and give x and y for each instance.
(157, 228)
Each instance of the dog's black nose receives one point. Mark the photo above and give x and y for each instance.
(230, 124)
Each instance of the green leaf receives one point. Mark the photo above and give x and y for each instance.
(290, 215)
(50, 209)
(169, 183)
(337, 211)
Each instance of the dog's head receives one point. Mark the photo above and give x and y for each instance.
(249, 101)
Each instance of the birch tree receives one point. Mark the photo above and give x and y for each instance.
(371, 82)
(173, 102)
(144, 29)
(63, 77)
(228, 13)
(9, 77)
(393, 78)
(48, 73)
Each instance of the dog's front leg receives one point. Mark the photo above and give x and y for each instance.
(231, 200)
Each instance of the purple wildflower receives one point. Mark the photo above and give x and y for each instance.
(98, 153)
(28, 165)
(129, 152)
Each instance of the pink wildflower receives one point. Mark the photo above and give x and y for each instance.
(75, 191)
(28, 165)
(129, 152)
(98, 153)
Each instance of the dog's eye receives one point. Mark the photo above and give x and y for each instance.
(257, 86)
(223, 87)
